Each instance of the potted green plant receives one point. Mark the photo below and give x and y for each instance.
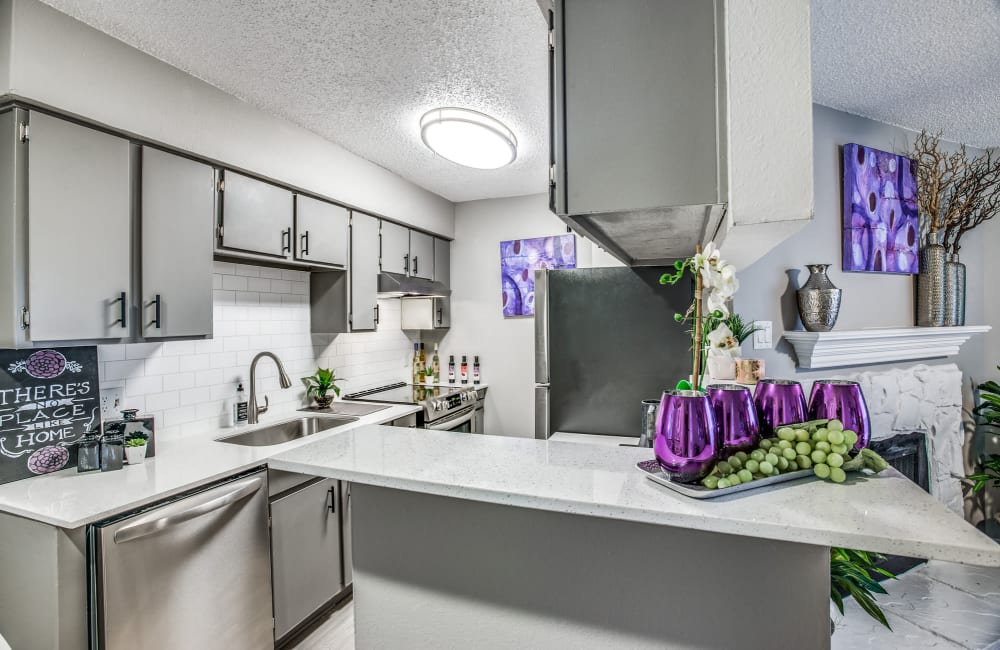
(853, 573)
(319, 385)
(135, 449)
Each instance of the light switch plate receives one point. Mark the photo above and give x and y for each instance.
(111, 403)
(762, 338)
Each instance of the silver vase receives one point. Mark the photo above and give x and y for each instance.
(954, 292)
(931, 306)
(819, 300)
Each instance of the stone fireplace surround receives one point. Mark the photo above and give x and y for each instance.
(925, 399)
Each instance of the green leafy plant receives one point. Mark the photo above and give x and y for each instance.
(989, 470)
(741, 329)
(322, 382)
(989, 407)
(853, 573)
(135, 442)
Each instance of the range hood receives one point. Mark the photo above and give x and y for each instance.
(395, 285)
(675, 123)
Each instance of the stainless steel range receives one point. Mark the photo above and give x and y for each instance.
(445, 408)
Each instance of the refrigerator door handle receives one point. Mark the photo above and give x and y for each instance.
(541, 326)
(181, 512)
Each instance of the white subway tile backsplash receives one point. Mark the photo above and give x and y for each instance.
(188, 386)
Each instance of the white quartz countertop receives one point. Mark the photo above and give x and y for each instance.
(885, 513)
(69, 499)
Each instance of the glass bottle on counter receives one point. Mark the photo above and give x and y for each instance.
(436, 366)
(475, 369)
(465, 369)
(423, 365)
(451, 369)
(416, 364)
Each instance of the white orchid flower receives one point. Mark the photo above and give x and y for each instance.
(717, 302)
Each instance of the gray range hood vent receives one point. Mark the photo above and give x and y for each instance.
(653, 236)
(394, 285)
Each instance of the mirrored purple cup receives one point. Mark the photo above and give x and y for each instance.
(735, 416)
(779, 402)
(687, 438)
(842, 400)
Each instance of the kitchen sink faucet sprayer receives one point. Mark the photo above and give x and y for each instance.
(254, 410)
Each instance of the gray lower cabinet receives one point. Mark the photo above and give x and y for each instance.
(364, 271)
(79, 218)
(305, 551)
(321, 232)
(178, 211)
(256, 217)
(421, 255)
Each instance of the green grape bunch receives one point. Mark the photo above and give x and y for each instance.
(823, 446)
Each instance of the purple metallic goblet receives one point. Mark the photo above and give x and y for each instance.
(736, 417)
(844, 401)
(779, 401)
(687, 438)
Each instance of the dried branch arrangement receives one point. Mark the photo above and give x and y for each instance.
(955, 193)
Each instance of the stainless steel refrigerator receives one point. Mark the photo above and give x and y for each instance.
(605, 339)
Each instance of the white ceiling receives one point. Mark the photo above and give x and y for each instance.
(362, 72)
(931, 64)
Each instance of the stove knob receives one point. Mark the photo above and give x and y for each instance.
(438, 406)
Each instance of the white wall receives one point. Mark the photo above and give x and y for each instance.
(59, 61)
(505, 346)
(185, 384)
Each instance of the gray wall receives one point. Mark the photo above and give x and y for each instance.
(869, 299)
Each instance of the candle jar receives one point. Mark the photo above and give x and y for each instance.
(736, 417)
(112, 452)
(89, 453)
(687, 438)
(779, 402)
(842, 400)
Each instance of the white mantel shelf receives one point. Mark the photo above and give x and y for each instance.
(878, 345)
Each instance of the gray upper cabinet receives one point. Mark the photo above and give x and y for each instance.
(364, 271)
(79, 218)
(421, 255)
(395, 248)
(178, 210)
(442, 261)
(256, 217)
(321, 232)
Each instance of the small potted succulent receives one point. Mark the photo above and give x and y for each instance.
(135, 449)
(319, 385)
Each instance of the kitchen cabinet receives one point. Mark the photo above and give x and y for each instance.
(442, 261)
(321, 232)
(305, 552)
(13, 230)
(79, 214)
(395, 248)
(256, 217)
(421, 255)
(177, 216)
(347, 552)
(364, 271)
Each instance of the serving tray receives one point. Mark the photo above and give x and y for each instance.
(653, 472)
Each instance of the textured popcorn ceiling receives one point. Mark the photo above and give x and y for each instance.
(361, 72)
(931, 64)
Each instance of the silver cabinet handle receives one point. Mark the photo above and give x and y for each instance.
(182, 511)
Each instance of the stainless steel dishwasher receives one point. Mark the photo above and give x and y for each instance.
(194, 572)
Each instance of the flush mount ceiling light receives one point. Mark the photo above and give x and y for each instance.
(468, 138)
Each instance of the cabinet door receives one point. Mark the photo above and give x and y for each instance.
(256, 216)
(421, 255)
(395, 257)
(442, 261)
(79, 247)
(305, 552)
(321, 232)
(178, 210)
(364, 271)
(442, 313)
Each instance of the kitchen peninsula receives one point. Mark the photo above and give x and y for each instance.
(520, 542)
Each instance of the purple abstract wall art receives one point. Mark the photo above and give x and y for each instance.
(519, 258)
(881, 219)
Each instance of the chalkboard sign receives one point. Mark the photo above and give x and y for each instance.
(48, 400)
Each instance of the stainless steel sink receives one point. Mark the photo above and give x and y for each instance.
(287, 431)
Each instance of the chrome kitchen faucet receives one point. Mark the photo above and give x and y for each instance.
(254, 411)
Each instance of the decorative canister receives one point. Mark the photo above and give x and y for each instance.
(954, 292)
(687, 438)
(842, 400)
(736, 417)
(779, 401)
(650, 407)
(722, 366)
(930, 286)
(819, 300)
(749, 371)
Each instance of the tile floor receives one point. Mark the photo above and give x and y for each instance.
(334, 633)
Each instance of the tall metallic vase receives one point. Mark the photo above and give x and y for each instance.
(819, 300)
(844, 401)
(931, 287)
(687, 438)
(954, 292)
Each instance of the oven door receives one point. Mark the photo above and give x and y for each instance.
(462, 421)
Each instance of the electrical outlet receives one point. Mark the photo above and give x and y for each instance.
(762, 338)
(111, 403)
